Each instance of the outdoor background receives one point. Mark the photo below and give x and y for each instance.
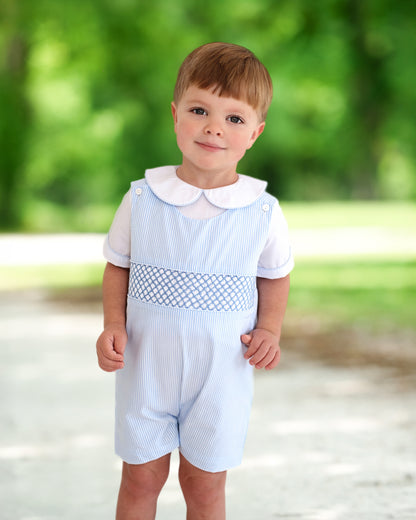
(85, 92)
(86, 86)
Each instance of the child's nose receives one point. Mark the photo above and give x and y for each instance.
(213, 128)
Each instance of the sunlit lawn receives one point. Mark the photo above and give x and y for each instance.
(50, 277)
(399, 215)
(376, 292)
(379, 295)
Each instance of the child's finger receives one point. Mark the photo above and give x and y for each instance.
(112, 355)
(107, 355)
(110, 360)
(266, 360)
(111, 366)
(119, 342)
(259, 355)
(246, 339)
(274, 362)
(253, 348)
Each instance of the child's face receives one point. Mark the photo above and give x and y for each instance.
(213, 132)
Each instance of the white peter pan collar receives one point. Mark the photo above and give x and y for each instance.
(167, 186)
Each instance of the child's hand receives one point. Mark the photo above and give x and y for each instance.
(110, 348)
(263, 348)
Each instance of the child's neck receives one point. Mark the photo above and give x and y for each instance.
(207, 180)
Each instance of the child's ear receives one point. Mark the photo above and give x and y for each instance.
(258, 131)
(174, 113)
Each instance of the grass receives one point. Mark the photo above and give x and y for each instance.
(373, 292)
(350, 214)
(377, 292)
(375, 295)
(379, 295)
(50, 277)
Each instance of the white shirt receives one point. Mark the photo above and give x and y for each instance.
(197, 203)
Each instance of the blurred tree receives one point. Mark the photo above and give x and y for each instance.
(85, 89)
(14, 109)
(369, 91)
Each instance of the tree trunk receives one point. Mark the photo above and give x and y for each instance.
(14, 120)
(369, 97)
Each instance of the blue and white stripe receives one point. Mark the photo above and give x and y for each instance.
(192, 294)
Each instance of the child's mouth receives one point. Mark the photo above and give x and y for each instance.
(210, 147)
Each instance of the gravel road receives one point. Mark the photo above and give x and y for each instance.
(326, 442)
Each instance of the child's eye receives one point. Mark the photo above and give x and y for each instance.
(235, 119)
(199, 111)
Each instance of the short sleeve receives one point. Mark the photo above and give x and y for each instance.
(117, 243)
(276, 260)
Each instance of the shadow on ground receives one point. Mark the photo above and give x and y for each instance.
(332, 432)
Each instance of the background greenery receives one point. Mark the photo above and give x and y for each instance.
(373, 292)
(85, 91)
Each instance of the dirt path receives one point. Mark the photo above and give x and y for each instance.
(328, 441)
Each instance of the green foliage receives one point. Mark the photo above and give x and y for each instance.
(376, 292)
(374, 295)
(85, 89)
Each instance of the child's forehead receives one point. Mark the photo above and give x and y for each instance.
(213, 95)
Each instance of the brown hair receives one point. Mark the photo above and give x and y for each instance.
(231, 70)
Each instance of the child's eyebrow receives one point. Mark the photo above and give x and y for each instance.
(196, 102)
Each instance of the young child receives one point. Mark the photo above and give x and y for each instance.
(194, 291)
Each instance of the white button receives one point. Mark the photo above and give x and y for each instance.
(265, 207)
(138, 191)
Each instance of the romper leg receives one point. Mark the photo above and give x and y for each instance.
(204, 492)
(140, 487)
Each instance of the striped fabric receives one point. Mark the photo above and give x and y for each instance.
(192, 293)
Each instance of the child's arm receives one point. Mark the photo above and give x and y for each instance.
(263, 342)
(112, 341)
